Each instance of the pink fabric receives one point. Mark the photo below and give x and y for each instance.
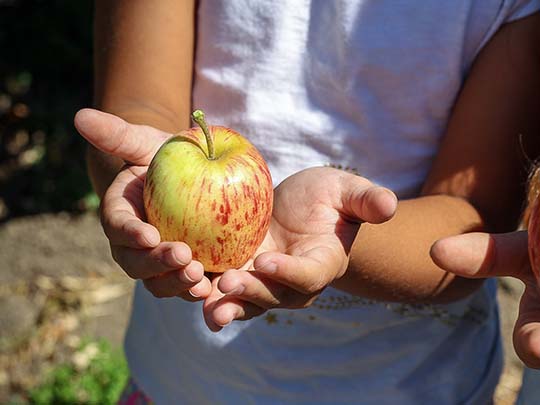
(133, 395)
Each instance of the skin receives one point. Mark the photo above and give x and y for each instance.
(144, 84)
(481, 255)
(467, 189)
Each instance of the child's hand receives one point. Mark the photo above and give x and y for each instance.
(480, 255)
(316, 216)
(166, 268)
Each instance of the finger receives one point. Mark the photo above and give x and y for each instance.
(147, 263)
(229, 309)
(111, 134)
(527, 328)
(200, 290)
(363, 202)
(264, 293)
(124, 229)
(174, 282)
(481, 255)
(308, 274)
(209, 304)
(122, 212)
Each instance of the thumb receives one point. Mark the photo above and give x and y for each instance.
(136, 144)
(362, 201)
(481, 255)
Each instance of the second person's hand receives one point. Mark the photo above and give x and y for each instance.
(482, 255)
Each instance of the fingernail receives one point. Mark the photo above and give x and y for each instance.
(176, 257)
(188, 277)
(194, 295)
(238, 290)
(268, 267)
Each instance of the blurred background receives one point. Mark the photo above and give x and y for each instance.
(64, 304)
(46, 71)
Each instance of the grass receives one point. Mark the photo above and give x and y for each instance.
(97, 374)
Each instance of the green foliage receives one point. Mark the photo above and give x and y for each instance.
(45, 77)
(101, 380)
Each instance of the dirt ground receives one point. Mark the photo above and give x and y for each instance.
(58, 284)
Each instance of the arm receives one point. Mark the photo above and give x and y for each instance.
(482, 164)
(143, 69)
(476, 182)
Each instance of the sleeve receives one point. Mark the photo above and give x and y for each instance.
(517, 9)
(509, 10)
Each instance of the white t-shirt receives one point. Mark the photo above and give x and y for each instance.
(366, 84)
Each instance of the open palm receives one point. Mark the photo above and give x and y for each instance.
(316, 216)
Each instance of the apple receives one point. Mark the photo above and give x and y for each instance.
(210, 188)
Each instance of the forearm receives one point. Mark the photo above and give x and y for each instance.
(143, 69)
(391, 261)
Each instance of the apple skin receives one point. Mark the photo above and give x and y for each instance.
(220, 207)
(534, 238)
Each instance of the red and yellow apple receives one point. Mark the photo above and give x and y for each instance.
(210, 188)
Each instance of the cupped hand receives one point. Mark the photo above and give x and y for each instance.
(316, 216)
(482, 255)
(166, 268)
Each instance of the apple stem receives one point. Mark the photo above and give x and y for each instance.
(198, 117)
